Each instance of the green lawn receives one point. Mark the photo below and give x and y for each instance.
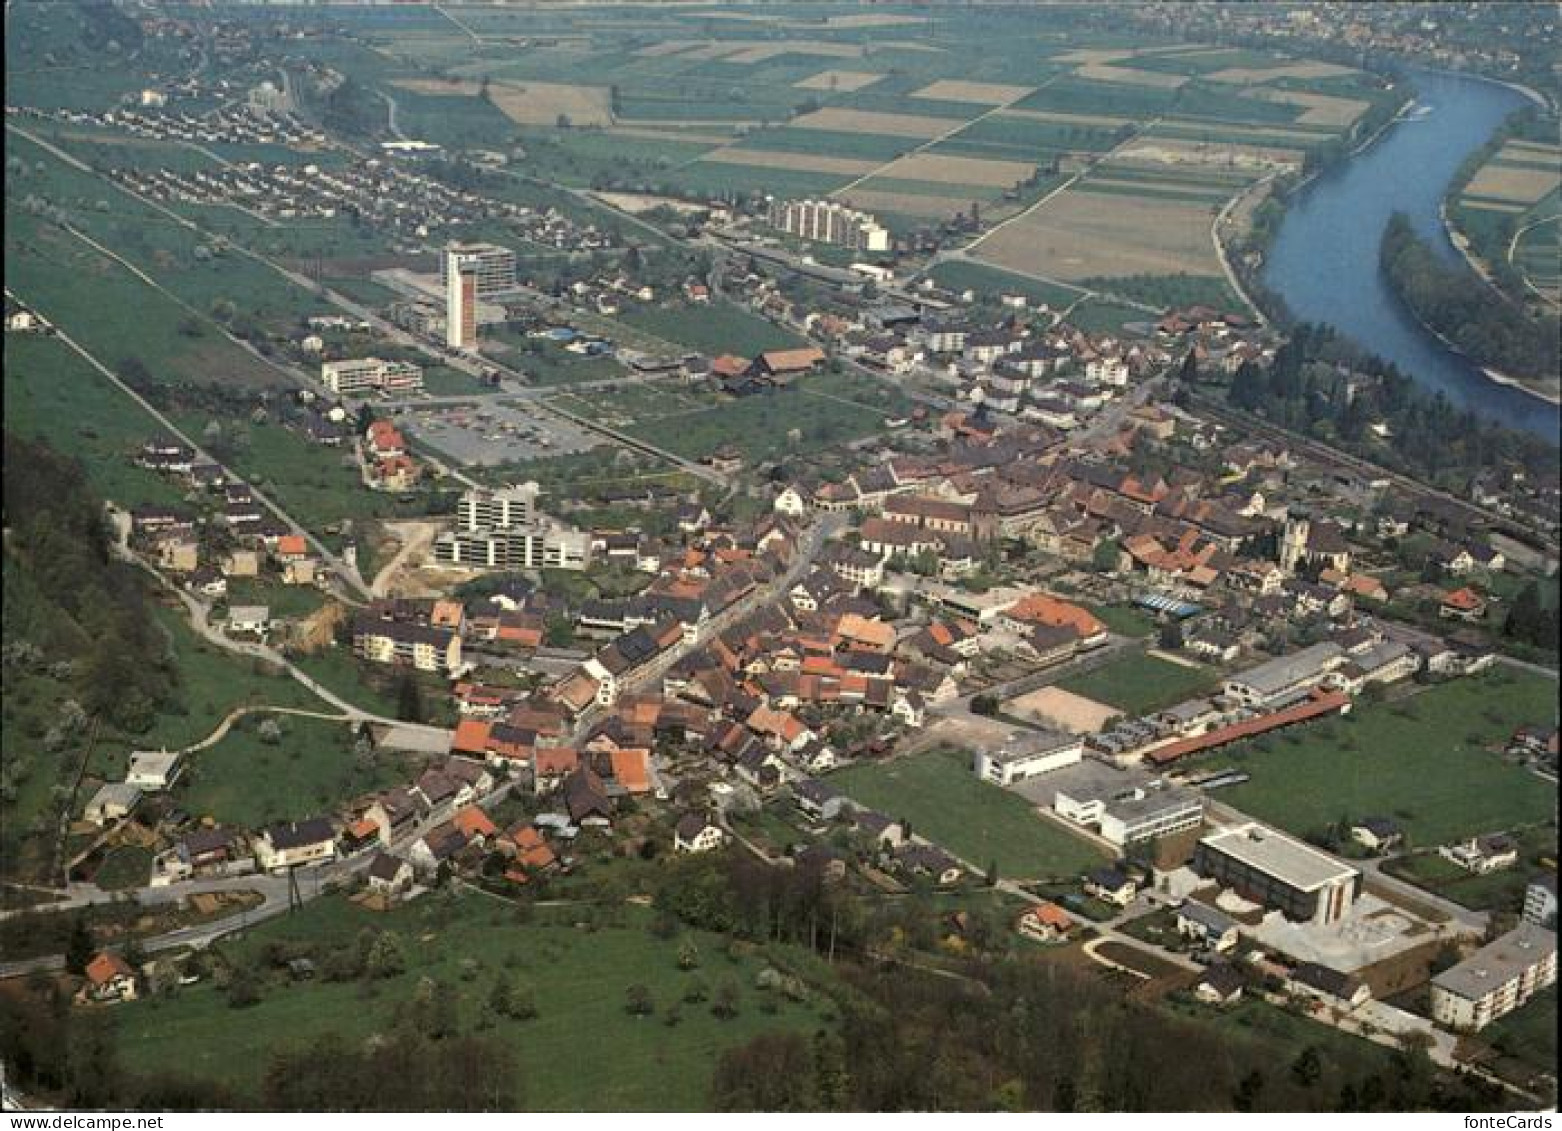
(125, 867)
(715, 329)
(1528, 1035)
(288, 602)
(990, 282)
(312, 483)
(977, 821)
(1100, 316)
(311, 770)
(53, 395)
(583, 1051)
(211, 683)
(337, 670)
(1125, 620)
(111, 311)
(1430, 761)
(1140, 684)
(1495, 891)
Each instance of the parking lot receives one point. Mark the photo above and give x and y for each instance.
(493, 432)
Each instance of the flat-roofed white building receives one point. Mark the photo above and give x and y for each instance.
(514, 547)
(1125, 806)
(482, 509)
(1024, 754)
(1496, 979)
(1260, 864)
(356, 376)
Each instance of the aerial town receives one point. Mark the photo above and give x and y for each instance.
(738, 558)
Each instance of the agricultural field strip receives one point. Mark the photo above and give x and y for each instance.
(1040, 203)
(945, 136)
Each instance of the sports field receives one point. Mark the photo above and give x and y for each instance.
(977, 821)
(1137, 684)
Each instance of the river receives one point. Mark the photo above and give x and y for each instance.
(1324, 261)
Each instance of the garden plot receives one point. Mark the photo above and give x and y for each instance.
(1105, 72)
(905, 203)
(1310, 70)
(1317, 109)
(808, 162)
(528, 103)
(1221, 155)
(1508, 183)
(1073, 713)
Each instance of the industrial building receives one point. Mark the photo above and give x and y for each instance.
(1285, 678)
(1268, 867)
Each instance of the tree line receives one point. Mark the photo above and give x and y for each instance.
(1321, 385)
(1037, 1035)
(83, 605)
(1461, 307)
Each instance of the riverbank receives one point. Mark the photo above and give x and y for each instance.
(1431, 292)
(1322, 264)
(1272, 185)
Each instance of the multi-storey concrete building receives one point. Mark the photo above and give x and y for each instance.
(513, 548)
(356, 376)
(828, 221)
(504, 529)
(493, 266)
(1268, 867)
(1496, 979)
(460, 304)
(509, 506)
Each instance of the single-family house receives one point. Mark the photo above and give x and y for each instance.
(1328, 985)
(696, 832)
(1377, 834)
(389, 875)
(1220, 984)
(1111, 886)
(1044, 922)
(112, 802)
(1208, 928)
(110, 978)
(293, 844)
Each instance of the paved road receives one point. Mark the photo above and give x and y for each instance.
(339, 568)
(199, 616)
(313, 882)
